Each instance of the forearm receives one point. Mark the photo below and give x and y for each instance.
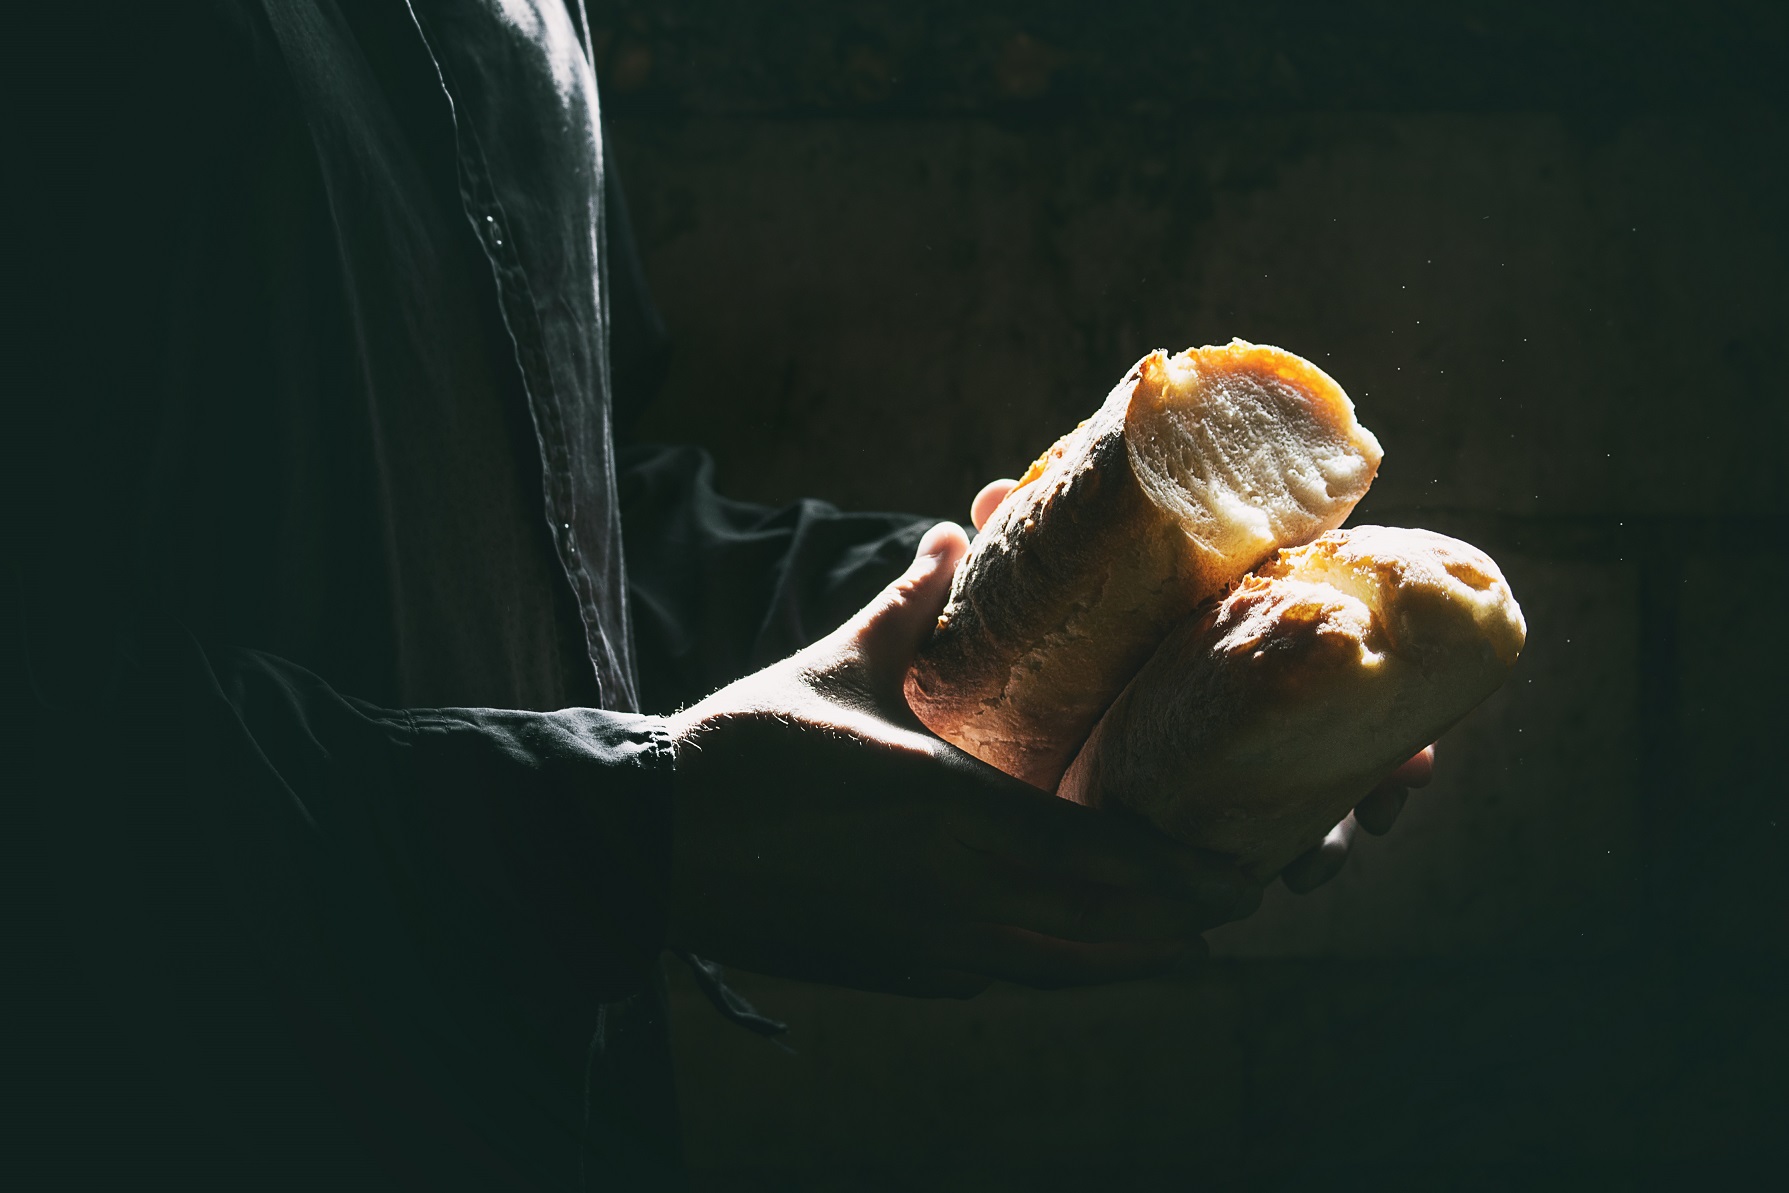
(521, 848)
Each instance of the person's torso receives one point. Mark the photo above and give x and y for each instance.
(386, 449)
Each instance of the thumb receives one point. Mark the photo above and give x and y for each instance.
(889, 630)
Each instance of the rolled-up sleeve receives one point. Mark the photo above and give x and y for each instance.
(422, 908)
(530, 848)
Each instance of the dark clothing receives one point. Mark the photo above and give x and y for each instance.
(316, 522)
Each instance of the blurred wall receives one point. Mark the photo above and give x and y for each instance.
(902, 247)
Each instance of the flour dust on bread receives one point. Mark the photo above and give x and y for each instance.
(1195, 469)
(1256, 727)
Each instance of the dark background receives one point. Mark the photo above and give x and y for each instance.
(903, 246)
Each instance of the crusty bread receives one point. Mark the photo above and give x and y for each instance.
(1195, 469)
(1256, 727)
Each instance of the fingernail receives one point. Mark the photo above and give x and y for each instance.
(934, 540)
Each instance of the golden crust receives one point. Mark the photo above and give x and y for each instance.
(1257, 726)
(1085, 567)
(1024, 606)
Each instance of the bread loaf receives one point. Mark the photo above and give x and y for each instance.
(1195, 469)
(1256, 727)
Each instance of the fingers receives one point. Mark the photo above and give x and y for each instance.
(988, 500)
(1379, 810)
(1417, 772)
(889, 630)
(1321, 864)
(1030, 959)
(1084, 846)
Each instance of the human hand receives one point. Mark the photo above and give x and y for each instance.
(822, 833)
(1375, 814)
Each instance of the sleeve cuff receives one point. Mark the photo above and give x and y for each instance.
(557, 832)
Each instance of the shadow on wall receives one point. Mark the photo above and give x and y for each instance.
(902, 248)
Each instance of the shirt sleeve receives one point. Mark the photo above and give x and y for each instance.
(721, 588)
(246, 913)
(474, 816)
(240, 879)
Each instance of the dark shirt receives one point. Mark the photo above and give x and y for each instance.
(332, 832)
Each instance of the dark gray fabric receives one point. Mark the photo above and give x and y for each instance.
(279, 430)
(330, 833)
(285, 429)
(531, 181)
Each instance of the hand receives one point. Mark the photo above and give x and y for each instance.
(1375, 813)
(992, 494)
(822, 833)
